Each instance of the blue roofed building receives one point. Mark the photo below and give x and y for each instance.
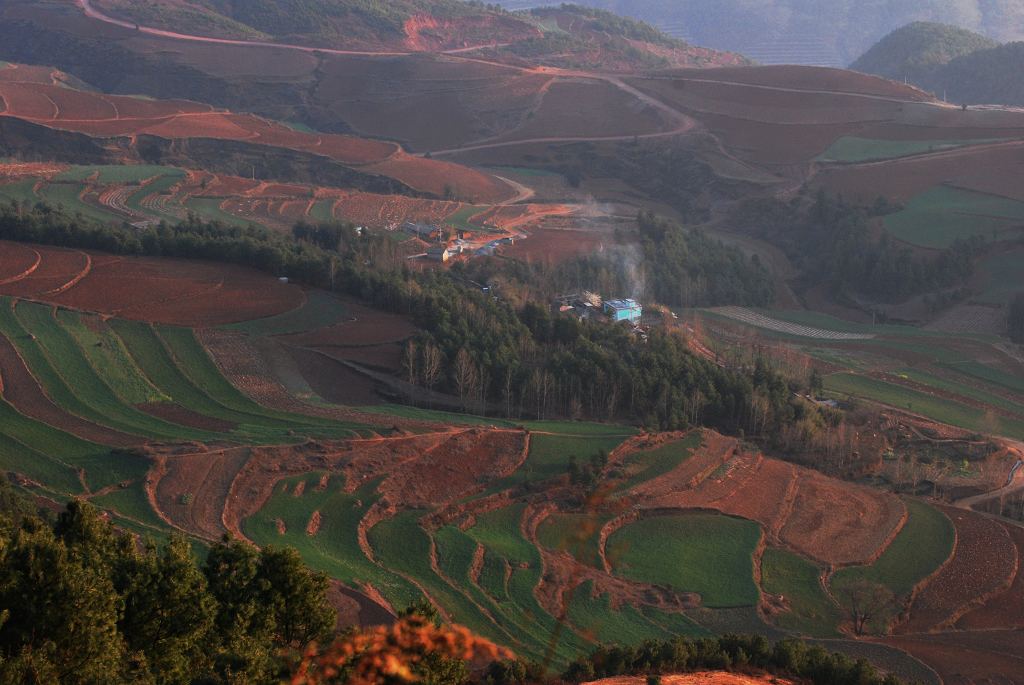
(623, 310)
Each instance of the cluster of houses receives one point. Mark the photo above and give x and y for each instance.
(588, 305)
(443, 246)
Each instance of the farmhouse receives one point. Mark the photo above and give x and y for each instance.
(438, 253)
(623, 310)
(423, 231)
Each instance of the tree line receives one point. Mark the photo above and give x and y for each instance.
(497, 357)
(835, 243)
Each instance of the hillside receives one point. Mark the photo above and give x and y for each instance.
(965, 66)
(830, 33)
(570, 35)
(917, 51)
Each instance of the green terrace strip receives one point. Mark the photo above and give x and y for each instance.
(644, 466)
(322, 211)
(20, 191)
(65, 355)
(798, 581)
(118, 173)
(507, 551)
(401, 545)
(937, 217)
(196, 364)
(986, 373)
(107, 355)
(131, 503)
(161, 186)
(550, 456)
(420, 414)
(16, 456)
(709, 554)
(577, 534)
(937, 408)
(455, 554)
(921, 547)
(962, 390)
(68, 196)
(334, 549)
(320, 310)
(851, 149)
(153, 357)
(210, 209)
(595, 618)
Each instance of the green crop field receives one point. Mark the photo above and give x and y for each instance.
(420, 414)
(923, 544)
(937, 217)
(643, 466)
(937, 408)
(209, 208)
(20, 191)
(460, 218)
(24, 449)
(320, 310)
(853, 149)
(576, 534)
(68, 196)
(160, 186)
(962, 389)
(594, 617)
(704, 553)
(987, 373)
(335, 548)
(811, 610)
(550, 456)
(1001, 275)
(322, 211)
(67, 358)
(131, 503)
(580, 428)
(109, 358)
(117, 173)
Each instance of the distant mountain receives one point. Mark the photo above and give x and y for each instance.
(820, 32)
(964, 66)
(919, 50)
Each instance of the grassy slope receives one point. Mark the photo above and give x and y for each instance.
(704, 553)
(938, 216)
(811, 611)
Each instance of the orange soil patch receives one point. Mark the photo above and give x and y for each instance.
(368, 209)
(700, 678)
(313, 527)
(969, 658)
(17, 262)
(983, 564)
(903, 178)
(45, 170)
(23, 392)
(28, 73)
(28, 101)
(1005, 610)
(555, 245)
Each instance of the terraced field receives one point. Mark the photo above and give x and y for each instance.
(941, 215)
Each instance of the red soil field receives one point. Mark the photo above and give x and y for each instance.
(983, 564)
(190, 490)
(175, 413)
(332, 380)
(434, 176)
(17, 262)
(904, 178)
(21, 389)
(1005, 610)
(46, 170)
(28, 101)
(181, 292)
(796, 505)
(968, 658)
(568, 108)
(28, 73)
(556, 245)
(57, 268)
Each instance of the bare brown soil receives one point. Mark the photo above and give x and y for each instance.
(983, 564)
(1004, 610)
(332, 380)
(180, 292)
(175, 413)
(969, 658)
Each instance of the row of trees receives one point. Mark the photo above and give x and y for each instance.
(835, 244)
(82, 603)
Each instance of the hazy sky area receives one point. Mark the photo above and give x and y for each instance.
(820, 32)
